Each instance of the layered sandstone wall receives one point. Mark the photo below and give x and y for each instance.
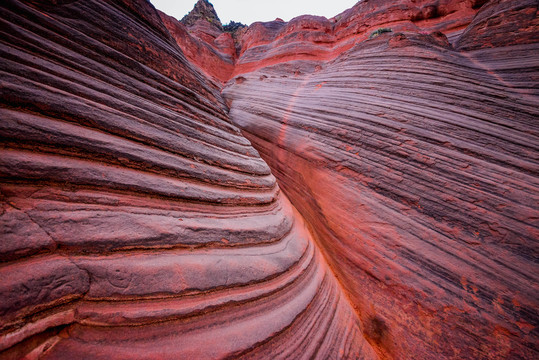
(414, 157)
(136, 221)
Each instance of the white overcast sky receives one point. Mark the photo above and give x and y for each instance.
(249, 11)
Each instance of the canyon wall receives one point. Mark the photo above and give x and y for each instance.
(136, 220)
(413, 155)
(140, 213)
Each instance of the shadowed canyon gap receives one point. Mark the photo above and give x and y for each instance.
(141, 216)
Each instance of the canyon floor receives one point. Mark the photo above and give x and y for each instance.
(360, 187)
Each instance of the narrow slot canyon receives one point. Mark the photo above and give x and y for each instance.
(360, 187)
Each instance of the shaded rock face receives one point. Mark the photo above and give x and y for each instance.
(502, 22)
(138, 221)
(234, 27)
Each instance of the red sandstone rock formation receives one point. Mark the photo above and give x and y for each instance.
(138, 222)
(415, 163)
(214, 58)
(201, 36)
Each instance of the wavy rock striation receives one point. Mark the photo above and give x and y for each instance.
(414, 161)
(137, 221)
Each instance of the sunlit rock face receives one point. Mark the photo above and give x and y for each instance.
(136, 220)
(140, 211)
(413, 155)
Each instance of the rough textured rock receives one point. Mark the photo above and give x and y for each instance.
(136, 220)
(502, 22)
(204, 14)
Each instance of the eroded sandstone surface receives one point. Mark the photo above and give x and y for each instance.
(137, 221)
(141, 216)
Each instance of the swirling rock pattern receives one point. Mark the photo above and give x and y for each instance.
(416, 164)
(136, 220)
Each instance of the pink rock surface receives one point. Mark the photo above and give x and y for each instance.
(416, 165)
(214, 55)
(136, 220)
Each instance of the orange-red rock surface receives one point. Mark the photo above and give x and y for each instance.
(138, 221)
(203, 41)
(416, 164)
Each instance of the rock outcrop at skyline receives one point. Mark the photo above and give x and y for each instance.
(140, 213)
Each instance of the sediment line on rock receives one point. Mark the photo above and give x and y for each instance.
(415, 164)
(137, 221)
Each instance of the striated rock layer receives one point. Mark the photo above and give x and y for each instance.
(136, 220)
(415, 162)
